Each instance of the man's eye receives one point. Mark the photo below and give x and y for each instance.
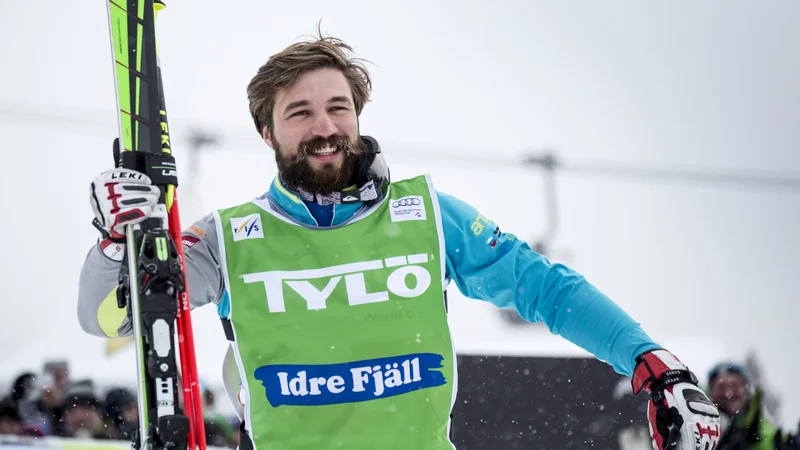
(301, 113)
(338, 108)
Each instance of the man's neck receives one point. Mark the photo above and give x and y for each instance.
(367, 192)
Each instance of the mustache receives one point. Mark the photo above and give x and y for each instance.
(339, 142)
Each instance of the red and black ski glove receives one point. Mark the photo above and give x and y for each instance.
(120, 197)
(680, 414)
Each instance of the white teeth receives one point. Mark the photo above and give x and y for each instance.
(324, 151)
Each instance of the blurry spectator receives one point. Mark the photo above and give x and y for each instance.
(235, 425)
(218, 430)
(60, 372)
(49, 402)
(25, 397)
(10, 422)
(21, 386)
(744, 425)
(123, 413)
(83, 413)
(215, 436)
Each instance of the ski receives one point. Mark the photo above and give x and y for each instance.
(152, 276)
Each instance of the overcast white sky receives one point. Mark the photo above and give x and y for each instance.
(709, 270)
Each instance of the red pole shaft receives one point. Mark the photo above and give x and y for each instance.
(188, 404)
(191, 385)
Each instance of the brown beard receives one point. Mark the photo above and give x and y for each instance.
(296, 170)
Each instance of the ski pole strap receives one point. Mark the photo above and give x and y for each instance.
(659, 367)
(160, 167)
(245, 443)
(227, 327)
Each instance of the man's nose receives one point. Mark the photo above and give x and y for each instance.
(323, 126)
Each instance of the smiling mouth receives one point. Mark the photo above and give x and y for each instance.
(324, 151)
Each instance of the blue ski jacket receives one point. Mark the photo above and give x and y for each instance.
(484, 261)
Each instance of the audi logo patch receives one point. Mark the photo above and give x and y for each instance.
(408, 201)
(407, 208)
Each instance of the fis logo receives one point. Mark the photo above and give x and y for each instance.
(350, 382)
(247, 227)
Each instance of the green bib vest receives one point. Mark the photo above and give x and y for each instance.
(341, 334)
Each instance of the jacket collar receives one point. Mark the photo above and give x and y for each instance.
(295, 207)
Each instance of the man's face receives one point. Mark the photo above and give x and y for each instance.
(51, 390)
(315, 136)
(61, 376)
(130, 414)
(82, 420)
(51, 396)
(729, 392)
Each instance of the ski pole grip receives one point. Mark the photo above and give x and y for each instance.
(116, 151)
(159, 167)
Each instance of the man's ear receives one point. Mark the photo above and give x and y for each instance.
(265, 134)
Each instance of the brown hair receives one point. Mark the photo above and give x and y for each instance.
(284, 68)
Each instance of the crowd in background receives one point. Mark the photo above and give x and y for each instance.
(51, 404)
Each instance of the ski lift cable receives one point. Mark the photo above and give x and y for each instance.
(96, 122)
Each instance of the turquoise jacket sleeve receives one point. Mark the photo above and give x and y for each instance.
(493, 265)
